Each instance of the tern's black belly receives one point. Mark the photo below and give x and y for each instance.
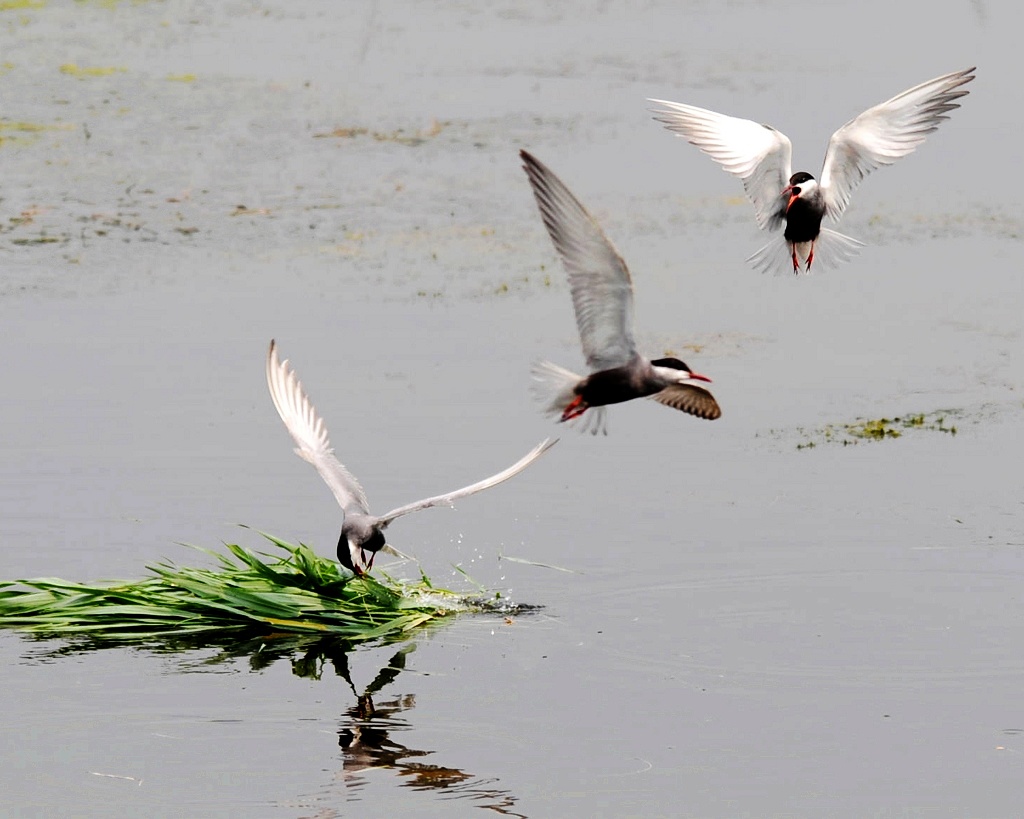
(803, 222)
(616, 385)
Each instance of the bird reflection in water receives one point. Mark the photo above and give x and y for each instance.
(366, 730)
(366, 735)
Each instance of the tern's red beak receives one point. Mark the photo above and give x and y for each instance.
(788, 191)
(700, 377)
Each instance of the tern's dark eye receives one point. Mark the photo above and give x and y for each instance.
(796, 191)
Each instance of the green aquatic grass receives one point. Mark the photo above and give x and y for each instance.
(295, 591)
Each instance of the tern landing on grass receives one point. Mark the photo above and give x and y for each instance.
(761, 156)
(602, 297)
(362, 534)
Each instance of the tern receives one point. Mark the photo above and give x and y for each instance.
(602, 298)
(362, 533)
(760, 156)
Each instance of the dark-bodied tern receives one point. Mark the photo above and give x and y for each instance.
(602, 297)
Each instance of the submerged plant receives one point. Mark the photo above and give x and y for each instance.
(296, 592)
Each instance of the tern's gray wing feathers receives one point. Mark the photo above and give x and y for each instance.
(309, 432)
(602, 291)
(885, 133)
(758, 154)
(450, 497)
(691, 399)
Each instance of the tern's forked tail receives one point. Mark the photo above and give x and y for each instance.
(554, 388)
(831, 249)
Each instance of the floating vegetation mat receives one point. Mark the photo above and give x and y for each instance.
(294, 591)
(878, 429)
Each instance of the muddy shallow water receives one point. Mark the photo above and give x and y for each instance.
(748, 628)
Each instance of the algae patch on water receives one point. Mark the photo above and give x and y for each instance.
(24, 133)
(878, 429)
(293, 591)
(21, 5)
(109, 5)
(400, 136)
(83, 72)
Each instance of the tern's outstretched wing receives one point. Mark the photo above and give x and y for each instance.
(691, 399)
(309, 432)
(449, 498)
(885, 133)
(757, 154)
(602, 291)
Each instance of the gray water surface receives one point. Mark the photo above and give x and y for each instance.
(748, 628)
